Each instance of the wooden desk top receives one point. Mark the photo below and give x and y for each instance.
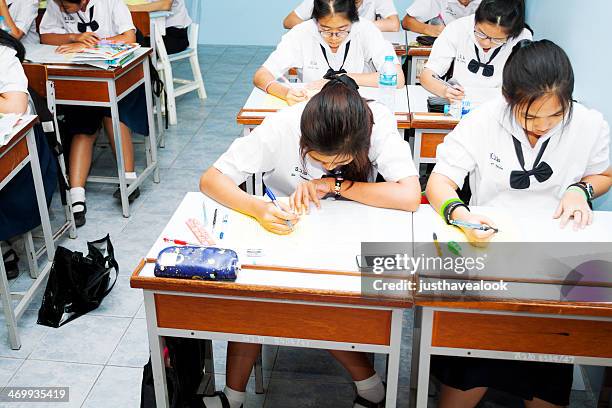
(80, 70)
(257, 280)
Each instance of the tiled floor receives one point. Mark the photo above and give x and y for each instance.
(100, 355)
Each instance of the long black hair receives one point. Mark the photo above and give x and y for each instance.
(508, 14)
(324, 8)
(8, 40)
(338, 121)
(537, 68)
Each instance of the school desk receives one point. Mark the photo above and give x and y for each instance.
(549, 315)
(430, 128)
(311, 304)
(14, 156)
(398, 40)
(83, 85)
(417, 55)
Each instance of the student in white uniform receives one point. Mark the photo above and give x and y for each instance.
(176, 38)
(479, 45)
(20, 17)
(75, 25)
(335, 41)
(336, 133)
(13, 82)
(381, 12)
(429, 17)
(533, 148)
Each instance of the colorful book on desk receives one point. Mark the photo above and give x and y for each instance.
(110, 54)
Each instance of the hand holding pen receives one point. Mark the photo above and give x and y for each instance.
(275, 216)
(453, 91)
(477, 228)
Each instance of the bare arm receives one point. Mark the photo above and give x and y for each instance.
(58, 39)
(14, 30)
(371, 78)
(410, 23)
(264, 78)
(292, 20)
(159, 5)
(404, 194)
(601, 182)
(390, 23)
(437, 88)
(13, 102)
(126, 37)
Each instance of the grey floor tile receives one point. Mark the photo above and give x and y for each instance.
(308, 364)
(116, 387)
(141, 314)
(30, 333)
(269, 356)
(88, 339)
(78, 377)
(308, 394)
(8, 368)
(122, 301)
(133, 349)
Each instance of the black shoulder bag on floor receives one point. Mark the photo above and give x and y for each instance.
(77, 284)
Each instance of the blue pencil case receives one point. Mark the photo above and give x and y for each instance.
(195, 262)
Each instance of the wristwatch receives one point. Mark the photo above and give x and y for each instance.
(587, 188)
(338, 184)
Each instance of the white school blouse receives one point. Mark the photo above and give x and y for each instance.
(113, 18)
(180, 17)
(12, 77)
(273, 148)
(300, 47)
(24, 13)
(457, 43)
(482, 145)
(446, 10)
(368, 10)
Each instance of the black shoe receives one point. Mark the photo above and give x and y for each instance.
(79, 216)
(135, 194)
(11, 266)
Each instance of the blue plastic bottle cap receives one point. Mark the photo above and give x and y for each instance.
(446, 109)
(389, 58)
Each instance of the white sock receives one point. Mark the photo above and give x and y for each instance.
(235, 398)
(77, 194)
(130, 176)
(371, 389)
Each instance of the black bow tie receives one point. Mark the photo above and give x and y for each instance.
(93, 24)
(488, 69)
(519, 179)
(332, 73)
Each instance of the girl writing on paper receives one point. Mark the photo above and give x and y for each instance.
(381, 12)
(75, 25)
(429, 17)
(479, 45)
(336, 134)
(532, 148)
(333, 42)
(20, 18)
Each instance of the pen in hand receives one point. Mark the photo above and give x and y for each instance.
(272, 197)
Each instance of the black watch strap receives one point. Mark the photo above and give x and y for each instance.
(448, 211)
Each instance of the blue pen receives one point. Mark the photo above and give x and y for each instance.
(480, 227)
(223, 225)
(272, 197)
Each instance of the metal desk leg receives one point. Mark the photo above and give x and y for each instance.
(31, 254)
(40, 195)
(394, 358)
(9, 313)
(258, 369)
(125, 204)
(424, 358)
(152, 157)
(209, 369)
(157, 357)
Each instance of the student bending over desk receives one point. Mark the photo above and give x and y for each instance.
(75, 25)
(367, 9)
(334, 41)
(534, 148)
(429, 17)
(20, 17)
(336, 132)
(479, 45)
(177, 24)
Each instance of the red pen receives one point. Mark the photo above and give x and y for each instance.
(180, 242)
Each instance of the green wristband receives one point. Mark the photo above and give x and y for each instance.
(576, 188)
(447, 203)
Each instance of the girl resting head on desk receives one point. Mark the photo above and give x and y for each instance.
(296, 148)
(13, 81)
(75, 25)
(332, 145)
(479, 45)
(334, 41)
(533, 148)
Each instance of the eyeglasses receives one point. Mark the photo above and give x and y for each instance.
(342, 34)
(496, 41)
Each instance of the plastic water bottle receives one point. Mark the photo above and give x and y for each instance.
(387, 83)
(458, 109)
(3, 25)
